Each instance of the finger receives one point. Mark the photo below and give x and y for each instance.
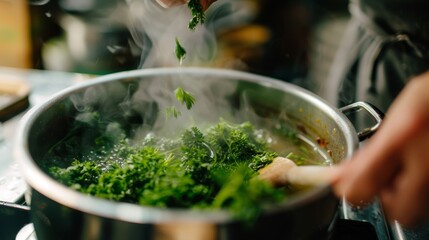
(406, 117)
(406, 202)
(407, 198)
(170, 3)
(361, 178)
(376, 164)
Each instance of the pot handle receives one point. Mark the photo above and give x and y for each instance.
(372, 110)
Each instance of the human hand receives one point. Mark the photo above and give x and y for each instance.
(206, 3)
(171, 3)
(394, 163)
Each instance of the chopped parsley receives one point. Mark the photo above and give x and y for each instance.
(184, 97)
(198, 17)
(172, 111)
(180, 51)
(197, 12)
(212, 168)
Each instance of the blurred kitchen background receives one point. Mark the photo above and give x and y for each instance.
(292, 40)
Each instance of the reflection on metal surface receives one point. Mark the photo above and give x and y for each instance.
(398, 232)
(26, 233)
(371, 213)
(373, 112)
(182, 230)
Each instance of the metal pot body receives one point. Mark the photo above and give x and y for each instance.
(138, 98)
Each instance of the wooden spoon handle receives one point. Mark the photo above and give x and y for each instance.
(310, 175)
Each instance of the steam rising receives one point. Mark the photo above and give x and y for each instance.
(211, 101)
(154, 29)
(139, 106)
(142, 104)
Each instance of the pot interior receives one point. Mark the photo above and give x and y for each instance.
(136, 102)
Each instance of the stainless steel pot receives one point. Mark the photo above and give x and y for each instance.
(136, 98)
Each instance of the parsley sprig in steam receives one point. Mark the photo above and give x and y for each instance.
(180, 51)
(184, 98)
(198, 15)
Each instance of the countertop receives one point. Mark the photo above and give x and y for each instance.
(42, 85)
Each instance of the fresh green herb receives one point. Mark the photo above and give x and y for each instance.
(235, 143)
(244, 195)
(80, 175)
(180, 51)
(261, 160)
(210, 169)
(197, 12)
(184, 97)
(198, 17)
(172, 111)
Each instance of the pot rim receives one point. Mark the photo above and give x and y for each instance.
(38, 180)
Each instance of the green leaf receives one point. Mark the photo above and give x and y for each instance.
(172, 111)
(198, 15)
(180, 51)
(184, 97)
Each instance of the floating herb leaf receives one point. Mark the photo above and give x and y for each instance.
(180, 51)
(198, 15)
(172, 111)
(184, 97)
